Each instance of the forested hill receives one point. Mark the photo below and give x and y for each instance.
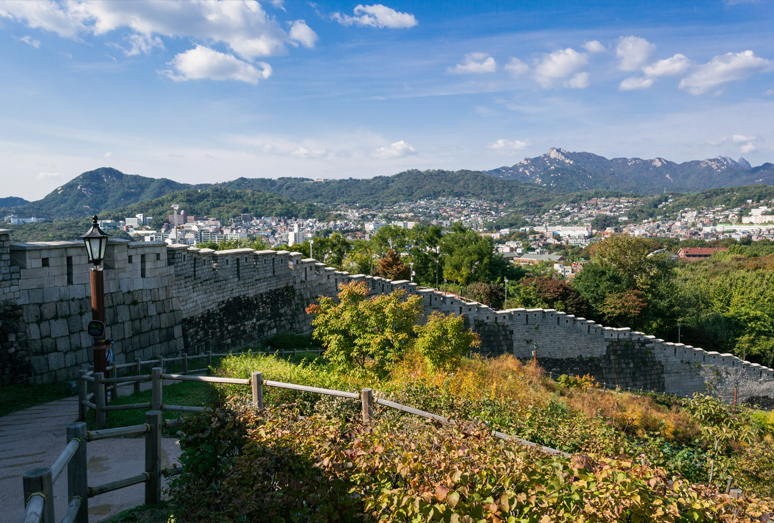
(98, 190)
(220, 203)
(403, 187)
(12, 201)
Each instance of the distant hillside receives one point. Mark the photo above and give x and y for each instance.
(403, 187)
(220, 203)
(98, 190)
(12, 201)
(570, 171)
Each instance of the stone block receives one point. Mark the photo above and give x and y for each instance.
(35, 347)
(39, 364)
(81, 356)
(59, 328)
(51, 294)
(56, 361)
(63, 308)
(33, 331)
(74, 324)
(85, 340)
(47, 311)
(31, 313)
(62, 344)
(70, 359)
(122, 314)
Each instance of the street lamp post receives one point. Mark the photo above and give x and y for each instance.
(411, 265)
(96, 244)
(311, 244)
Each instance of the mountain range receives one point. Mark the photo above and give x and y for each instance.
(576, 171)
(532, 182)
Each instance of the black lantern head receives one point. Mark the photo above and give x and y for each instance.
(96, 243)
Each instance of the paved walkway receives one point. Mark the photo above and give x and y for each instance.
(35, 437)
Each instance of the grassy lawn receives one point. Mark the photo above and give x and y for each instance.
(19, 397)
(160, 513)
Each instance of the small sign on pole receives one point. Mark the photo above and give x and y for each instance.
(96, 329)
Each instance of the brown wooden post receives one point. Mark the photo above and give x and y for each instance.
(367, 397)
(40, 480)
(98, 314)
(99, 400)
(137, 372)
(735, 391)
(77, 484)
(83, 393)
(185, 363)
(257, 383)
(153, 457)
(156, 393)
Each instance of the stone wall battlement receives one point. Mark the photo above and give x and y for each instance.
(164, 299)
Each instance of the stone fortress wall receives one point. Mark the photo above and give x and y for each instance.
(164, 300)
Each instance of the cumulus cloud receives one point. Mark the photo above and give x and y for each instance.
(108, 155)
(770, 92)
(242, 26)
(632, 52)
(578, 81)
(474, 63)
(309, 152)
(561, 64)
(394, 150)
(303, 34)
(673, 66)
(509, 145)
(29, 41)
(594, 47)
(205, 63)
(635, 82)
(747, 148)
(377, 15)
(742, 138)
(730, 67)
(516, 67)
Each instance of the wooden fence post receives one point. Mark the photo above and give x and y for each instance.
(99, 400)
(77, 484)
(153, 457)
(185, 363)
(83, 393)
(156, 401)
(257, 382)
(209, 362)
(113, 374)
(137, 372)
(367, 397)
(39, 480)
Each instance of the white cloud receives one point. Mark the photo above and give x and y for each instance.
(310, 152)
(141, 44)
(302, 33)
(635, 82)
(205, 63)
(394, 150)
(579, 81)
(108, 155)
(747, 148)
(737, 138)
(516, 67)
(729, 67)
(673, 66)
(632, 52)
(559, 64)
(474, 63)
(46, 176)
(29, 41)
(770, 92)
(243, 25)
(594, 47)
(377, 15)
(509, 145)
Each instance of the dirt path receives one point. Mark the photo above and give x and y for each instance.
(35, 437)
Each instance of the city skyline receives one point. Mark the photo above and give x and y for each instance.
(208, 91)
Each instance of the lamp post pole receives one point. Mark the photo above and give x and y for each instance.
(411, 265)
(505, 303)
(311, 245)
(96, 245)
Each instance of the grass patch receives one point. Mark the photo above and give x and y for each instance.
(161, 513)
(186, 393)
(19, 397)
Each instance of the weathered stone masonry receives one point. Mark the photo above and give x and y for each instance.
(163, 300)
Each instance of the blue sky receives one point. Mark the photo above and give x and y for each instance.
(208, 90)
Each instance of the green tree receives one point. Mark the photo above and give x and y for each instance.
(367, 334)
(443, 340)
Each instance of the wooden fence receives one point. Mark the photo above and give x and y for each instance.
(38, 483)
